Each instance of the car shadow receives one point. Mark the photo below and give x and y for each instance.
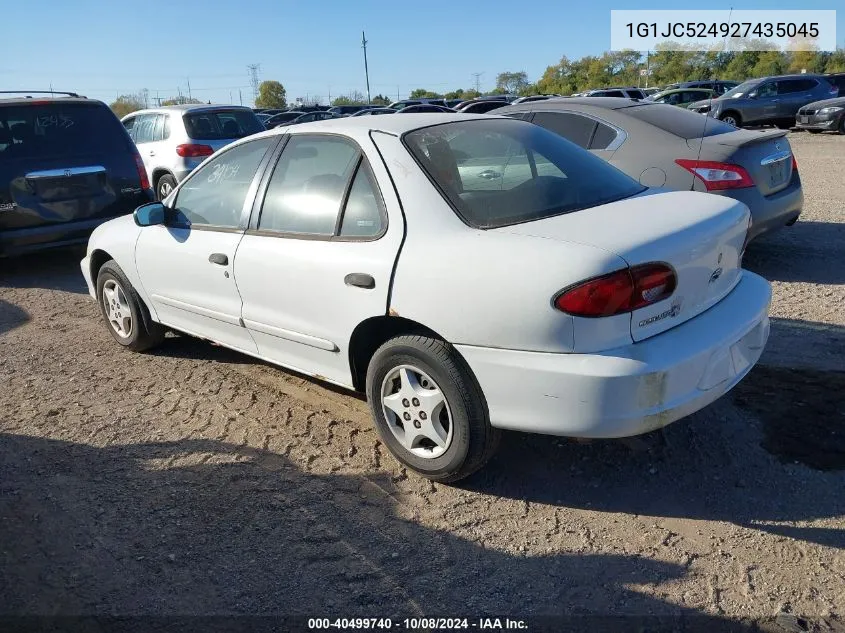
(54, 269)
(199, 527)
(11, 316)
(807, 251)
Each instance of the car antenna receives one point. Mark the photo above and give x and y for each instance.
(710, 102)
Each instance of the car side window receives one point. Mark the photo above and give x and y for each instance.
(603, 136)
(144, 128)
(129, 124)
(770, 89)
(363, 213)
(573, 127)
(214, 195)
(165, 127)
(158, 128)
(306, 189)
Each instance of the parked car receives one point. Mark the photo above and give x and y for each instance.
(664, 146)
(374, 111)
(270, 111)
(681, 96)
(263, 117)
(533, 98)
(716, 85)
(616, 307)
(820, 116)
(767, 101)
(452, 103)
(480, 106)
(628, 92)
(404, 103)
(301, 117)
(66, 166)
(282, 118)
(424, 107)
(346, 110)
(838, 81)
(173, 140)
(650, 91)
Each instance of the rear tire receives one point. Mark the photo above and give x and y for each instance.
(126, 316)
(731, 118)
(451, 408)
(164, 186)
(784, 125)
(841, 129)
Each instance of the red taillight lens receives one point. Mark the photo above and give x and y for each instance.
(142, 172)
(192, 150)
(619, 292)
(717, 176)
(794, 163)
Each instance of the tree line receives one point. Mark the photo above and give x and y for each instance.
(620, 68)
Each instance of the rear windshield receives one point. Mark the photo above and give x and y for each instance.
(222, 124)
(502, 171)
(678, 121)
(60, 129)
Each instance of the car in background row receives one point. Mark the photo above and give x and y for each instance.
(174, 140)
(374, 111)
(627, 92)
(295, 118)
(681, 96)
(618, 310)
(767, 101)
(531, 98)
(837, 80)
(346, 110)
(821, 116)
(404, 103)
(480, 106)
(424, 107)
(716, 85)
(66, 166)
(668, 147)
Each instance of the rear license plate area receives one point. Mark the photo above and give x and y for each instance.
(779, 172)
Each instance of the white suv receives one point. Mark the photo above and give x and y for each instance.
(174, 140)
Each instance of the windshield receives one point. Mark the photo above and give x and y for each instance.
(221, 124)
(741, 90)
(501, 172)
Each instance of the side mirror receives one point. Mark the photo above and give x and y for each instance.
(149, 214)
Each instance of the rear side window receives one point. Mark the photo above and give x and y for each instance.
(144, 128)
(308, 185)
(499, 172)
(572, 127)
(603, 136)
(215, 125)
(60, 129)
(678, 121)
(636, 94)
(788, 86)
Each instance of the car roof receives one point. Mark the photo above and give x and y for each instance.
(609, 103)
(192, 107)
(42, 99)
(395, 125)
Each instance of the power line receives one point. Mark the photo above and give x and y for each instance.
(477, 81)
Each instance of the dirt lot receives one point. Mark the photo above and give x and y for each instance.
(194, 480)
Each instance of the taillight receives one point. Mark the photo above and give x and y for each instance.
(794, 163)
(142, 172)
(193, 150)
(717, 176)
(618, 292)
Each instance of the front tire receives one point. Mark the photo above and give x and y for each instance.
(126, 316)
(164, 186)
(428, 408)
(731, 118)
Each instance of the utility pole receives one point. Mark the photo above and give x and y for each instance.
(477, 82)
(241, 96)
(366, 69)
(397, 93)
(189, 89)
(253, 79)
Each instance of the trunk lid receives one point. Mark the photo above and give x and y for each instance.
(765, 155)
(64, 162)
(700, 236)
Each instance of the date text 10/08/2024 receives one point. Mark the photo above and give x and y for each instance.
(705, 30)
(417, 624)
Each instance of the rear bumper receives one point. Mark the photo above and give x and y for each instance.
(19, 241)
(633, 389)
(769, 213)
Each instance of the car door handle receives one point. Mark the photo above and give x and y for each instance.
(219, 259)
(489, 174)
(360, 280)
(152, 153)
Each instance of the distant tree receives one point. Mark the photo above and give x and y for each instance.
(353, 98)
(125, 104)
(836, 62)
(472, 93)
(510, 82)
(455, 94)
(380, 100)
(271, 94)
(422, 93)
(180, 100)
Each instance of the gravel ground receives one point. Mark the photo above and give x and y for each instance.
(194, 480)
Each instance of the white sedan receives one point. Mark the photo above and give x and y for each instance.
(469, 273)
